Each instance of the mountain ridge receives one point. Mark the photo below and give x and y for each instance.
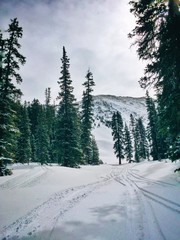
(104, 107)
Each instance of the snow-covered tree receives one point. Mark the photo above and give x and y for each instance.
(10, 61)
(118, 135)
(128, 149)
(157, 37)
(68, 123)
(87, 118)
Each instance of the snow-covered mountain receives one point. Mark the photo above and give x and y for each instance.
(104, 106)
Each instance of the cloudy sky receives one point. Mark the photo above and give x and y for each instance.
(94, 33)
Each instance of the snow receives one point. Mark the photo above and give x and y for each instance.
(104, 106)
(106, 202)
(137, 201)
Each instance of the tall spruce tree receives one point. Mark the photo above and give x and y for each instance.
(152, 127)
(133, 133)
(23, 152)
(50, 120)
(68, 123)
(118, 135)
(87, 118)
(128, 149)
(141, 150)
(158, 39)
(10, 59)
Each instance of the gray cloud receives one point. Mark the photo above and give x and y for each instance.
(94, 33)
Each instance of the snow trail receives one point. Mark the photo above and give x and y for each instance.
(117, 203)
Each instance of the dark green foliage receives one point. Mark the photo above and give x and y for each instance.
(33, 111)
(95, 153)
(68, 124)
(23, 152)
(10, 59)
(118, 135)
(42, 138)
(128, 149)
(158, 40)
(141, 145)
(175, 151)
(33, 149)
(50, 120)
(134, 136)
(152, 127)
(87, 118)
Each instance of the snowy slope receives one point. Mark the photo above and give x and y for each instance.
(106, 202)
(104, 107)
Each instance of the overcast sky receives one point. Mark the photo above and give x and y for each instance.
(94, 33)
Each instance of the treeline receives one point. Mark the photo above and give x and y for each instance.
(137, 142)
(157, 38)
(43, 133)
(130, 142)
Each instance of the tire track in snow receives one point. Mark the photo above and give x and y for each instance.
(134, 209)
(148, 197)
(157, 198)
(46, 215)
(147, 180)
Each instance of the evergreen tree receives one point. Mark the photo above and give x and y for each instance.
(118, 135)
(33, 111)
(68, 123)
(128, 150)
(158, 40)
(141, 146)
(95, 152)
(152, 127)
(175, 150)
(10, 59)
(33, 148)
(87, 118)
(50, 120)
(133, 134)
(42, 139)
(23, 152)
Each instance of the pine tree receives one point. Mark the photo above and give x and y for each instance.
(158, 39)
(87, 118)
(23, 152)
(141, 150)
(33, 111)
(118, 135)
(10, 64)
(152, 127)
(42, 139)
(95, 153)
(128, 150)
(50, 120)
(33, 148)
(68, 123)
(133, 133)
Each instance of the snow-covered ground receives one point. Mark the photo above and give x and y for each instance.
(107, 202)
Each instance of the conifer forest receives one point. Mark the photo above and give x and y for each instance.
(62, 132)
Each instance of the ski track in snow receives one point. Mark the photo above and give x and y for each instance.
(139, 205)
(57, 205)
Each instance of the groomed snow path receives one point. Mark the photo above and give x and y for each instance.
(108, 202)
